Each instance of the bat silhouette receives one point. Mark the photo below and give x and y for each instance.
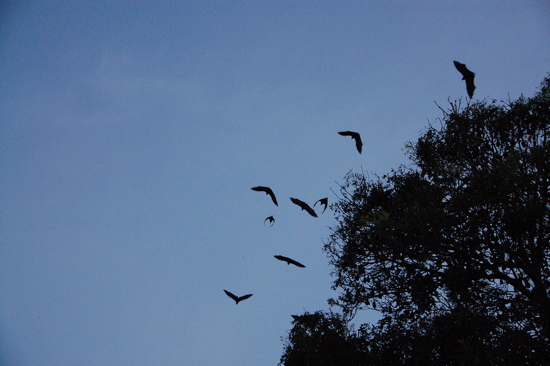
(268, 191)
(304, 206)
(289, 261)
(467, 76)
(356, 137)
(323, 201)
(236, 298)
(271, 220)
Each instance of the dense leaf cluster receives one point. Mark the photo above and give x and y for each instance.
(453, 250)
(322, 339)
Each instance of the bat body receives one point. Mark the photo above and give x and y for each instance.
(289, 261)
(467, 76)
(267, 191)
(237, 298)
(356, 137)
(304, 206)
(271, 220)
(323, 201)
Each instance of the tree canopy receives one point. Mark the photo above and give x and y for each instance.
(453, 249)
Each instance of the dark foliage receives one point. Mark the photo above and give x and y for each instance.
(453, 250)
(321, 339)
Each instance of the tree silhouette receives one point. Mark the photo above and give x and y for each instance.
(454, 249)
(321, 339)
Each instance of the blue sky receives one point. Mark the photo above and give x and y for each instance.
(132, 131)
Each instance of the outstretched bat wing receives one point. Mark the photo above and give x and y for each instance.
(296, 263)
(323, 201)
(348, 133)
(289, 261)
(244, 297)
(470, 87)
(463, 70)
(268, 191)
(358, 143)
(281, 258)
(467, 76)
(296, 201)
(234, 297)
(356, 136)
(310, 211)
(304, 206)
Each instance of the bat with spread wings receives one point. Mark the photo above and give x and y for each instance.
(356, 137)
(304, 206)
(467, 76)
(267, 191)
(289, 261)
(322, 201)
(271, 220)
(237, 298)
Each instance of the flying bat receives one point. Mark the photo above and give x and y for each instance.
(236, 298)
(304, 206)
(289, 261)
(467, 76)
(268, 191)
(323, 201)
(356, 137)
(271, 220)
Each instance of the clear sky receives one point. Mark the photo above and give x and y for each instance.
(131, 133)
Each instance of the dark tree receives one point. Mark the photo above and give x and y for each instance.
(321, 339)
(454, 249)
